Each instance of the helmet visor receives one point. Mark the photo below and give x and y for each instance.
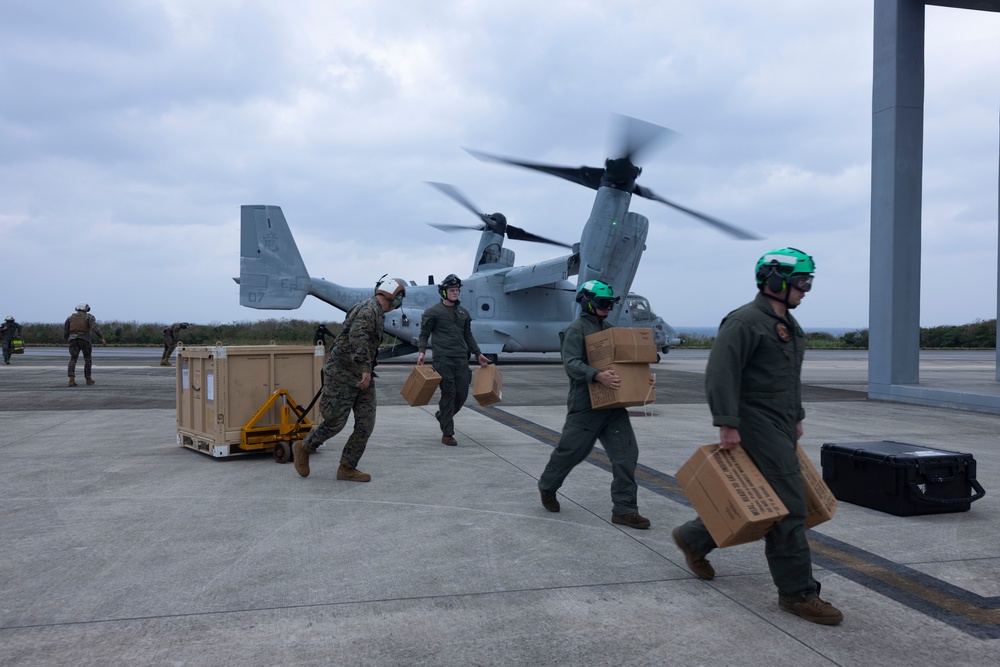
(801, 281)
(604, 302)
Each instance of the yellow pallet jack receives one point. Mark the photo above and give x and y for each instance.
(280, 435)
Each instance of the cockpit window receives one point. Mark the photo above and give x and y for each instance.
(640, 310)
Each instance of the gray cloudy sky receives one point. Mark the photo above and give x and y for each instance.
(131, 131)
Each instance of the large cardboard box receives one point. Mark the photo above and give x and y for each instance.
(620, 345)
(420, 385)
(820, 501)
(730, 495)
(220, 388)
(634, 390)
(487, 385)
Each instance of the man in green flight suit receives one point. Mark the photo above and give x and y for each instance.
(754, 389)
(348, 382)
(448, 325)
(584, 425)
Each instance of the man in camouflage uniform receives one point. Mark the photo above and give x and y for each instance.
(8, 332)
(348, 375)
(79, 327)
(448, 325)
(754, 389)
(171, 336)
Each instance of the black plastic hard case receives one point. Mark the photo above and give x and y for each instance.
(900, 478)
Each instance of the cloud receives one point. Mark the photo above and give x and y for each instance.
(131, 133)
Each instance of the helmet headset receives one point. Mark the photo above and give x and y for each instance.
(783, 268)
(595, 295)
(392, 289)
(450, 281)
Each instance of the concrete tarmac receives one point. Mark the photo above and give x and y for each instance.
(120, 547)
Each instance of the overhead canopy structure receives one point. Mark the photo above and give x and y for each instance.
(897, 172)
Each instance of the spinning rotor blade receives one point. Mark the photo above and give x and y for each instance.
(636, 136)
(457, 228)
(497, 225)
(589, 177)
(518, 234)
(732, 230)
(453, 192)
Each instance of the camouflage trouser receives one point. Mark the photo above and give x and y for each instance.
(76, 346)
(336, 404)
(8, 349)
(455, 379)
(168, 348)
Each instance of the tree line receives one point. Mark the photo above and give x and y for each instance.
(265, 332)
(981, 334)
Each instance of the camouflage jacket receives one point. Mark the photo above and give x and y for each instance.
(172, 333)
(355, 349)
(82, 326)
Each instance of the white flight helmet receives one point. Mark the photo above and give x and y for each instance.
(392, 289)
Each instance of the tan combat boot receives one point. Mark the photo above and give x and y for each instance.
(72, 381)
(300, 458)
(91, 381)
(352, 474)
(164, 362)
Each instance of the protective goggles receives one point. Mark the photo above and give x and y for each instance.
(801, 281)
(605, 302)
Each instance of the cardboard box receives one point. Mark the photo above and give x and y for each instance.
(634, 390)
(730, 495)
(420, 386)
(622, 345)
(487, 385)
(820, 501)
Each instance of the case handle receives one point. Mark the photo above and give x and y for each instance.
(980, 492)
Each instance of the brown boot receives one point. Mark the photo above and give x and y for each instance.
(352, 474)
(697, 564)
(633, 520)
(72, 381)
(91, 381)
(814, 611)
(164, 362)
(300, 457)
(448, 440)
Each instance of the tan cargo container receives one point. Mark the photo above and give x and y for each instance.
(220, 388)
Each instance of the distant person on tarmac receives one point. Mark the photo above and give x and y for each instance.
(349, 382)
(8, 332)
(753, 382)
(79, 328)
(171, 336)
(448, 325)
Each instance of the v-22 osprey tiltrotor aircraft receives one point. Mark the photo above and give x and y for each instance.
(514, 309)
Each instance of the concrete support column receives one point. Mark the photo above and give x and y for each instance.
(897, 171)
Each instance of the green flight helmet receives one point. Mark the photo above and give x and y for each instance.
(774, 267)
(595, 294)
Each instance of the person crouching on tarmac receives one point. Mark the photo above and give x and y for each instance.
(348, 382)
(449, 326)
(585, 425)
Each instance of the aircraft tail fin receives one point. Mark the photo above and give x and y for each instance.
(272, 273)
